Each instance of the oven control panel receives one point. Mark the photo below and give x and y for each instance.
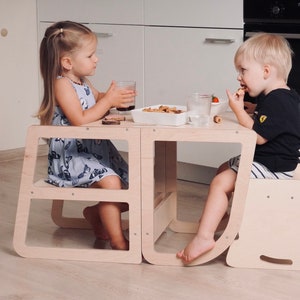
(272, 11)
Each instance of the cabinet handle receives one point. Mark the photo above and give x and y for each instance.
(103, 34)
(219, 41)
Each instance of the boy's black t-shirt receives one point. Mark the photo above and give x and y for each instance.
(278, 121)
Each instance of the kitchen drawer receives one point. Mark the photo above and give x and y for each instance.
(92, 11)
(194, 13)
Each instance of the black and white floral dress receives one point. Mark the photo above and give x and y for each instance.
(81, 162)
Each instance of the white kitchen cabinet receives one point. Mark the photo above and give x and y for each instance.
(180, 61)
(194, 13)
(170, 47)
(121, 55)
(189, 46)
(92, 11)
(19, 71)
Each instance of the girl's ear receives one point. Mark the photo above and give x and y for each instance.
(66, 63)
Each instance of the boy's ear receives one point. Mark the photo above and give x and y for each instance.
(66, 63)
(267, 71)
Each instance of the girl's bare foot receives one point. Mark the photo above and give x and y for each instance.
(195, 248)
(120, 245)
(91, 214)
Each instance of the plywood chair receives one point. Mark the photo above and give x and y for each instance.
(159, 198)
(268, 237)
(30, 189)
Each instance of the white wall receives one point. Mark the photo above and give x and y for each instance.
(18, 71)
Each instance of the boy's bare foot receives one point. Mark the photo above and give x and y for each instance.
(91, 214)
(195, 248)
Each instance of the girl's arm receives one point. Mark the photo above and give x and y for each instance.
(67, 99)
(97, 94)
(236, 103)
(119, 97)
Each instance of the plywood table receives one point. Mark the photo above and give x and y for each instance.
(152, 193)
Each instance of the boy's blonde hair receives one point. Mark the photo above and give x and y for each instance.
(267, 48)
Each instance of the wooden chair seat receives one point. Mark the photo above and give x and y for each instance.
(268, 237)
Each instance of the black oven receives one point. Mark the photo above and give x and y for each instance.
(281, 17)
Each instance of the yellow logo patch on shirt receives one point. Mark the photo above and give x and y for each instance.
(262, 118)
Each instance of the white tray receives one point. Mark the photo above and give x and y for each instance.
(159, 118)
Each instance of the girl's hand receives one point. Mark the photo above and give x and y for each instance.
(119, 97)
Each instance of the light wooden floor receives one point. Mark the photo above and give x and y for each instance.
(37, 279)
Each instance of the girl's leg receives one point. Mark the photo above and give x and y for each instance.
(214, 210)
(106, 219)
(91, 214)
(110, 213)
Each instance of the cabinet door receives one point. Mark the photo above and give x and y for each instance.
(194, 13)
(19, 71)
(121, 57)
(91, 11)
(180, 61)
(121, 54)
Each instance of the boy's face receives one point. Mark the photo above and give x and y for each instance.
(251, 76)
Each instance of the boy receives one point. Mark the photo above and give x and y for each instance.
(263, 63)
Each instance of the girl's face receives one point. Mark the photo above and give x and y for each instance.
(251, 76)
(84, 60)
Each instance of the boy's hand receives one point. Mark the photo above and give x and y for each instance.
(236, 100)
(249, 107)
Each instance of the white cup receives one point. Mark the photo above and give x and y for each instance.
(198, 109)
(127, 85)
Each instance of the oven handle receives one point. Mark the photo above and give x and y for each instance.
(295, 36)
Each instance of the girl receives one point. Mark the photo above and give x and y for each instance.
(67, 56)
(263, 62)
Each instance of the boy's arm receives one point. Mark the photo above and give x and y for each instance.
(236, 103)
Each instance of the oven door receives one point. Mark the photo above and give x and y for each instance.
(292, 33)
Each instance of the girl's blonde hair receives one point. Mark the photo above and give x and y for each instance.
(267, 48)
(60, 38)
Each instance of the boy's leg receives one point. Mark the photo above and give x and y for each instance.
(214, 210)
